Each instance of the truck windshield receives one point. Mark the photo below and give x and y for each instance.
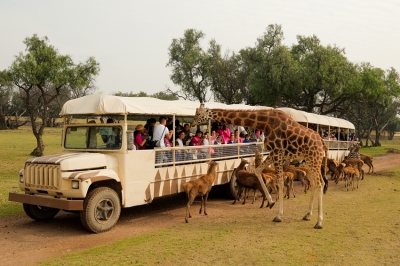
(93, 137)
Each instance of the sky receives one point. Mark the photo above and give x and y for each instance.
(130, 39)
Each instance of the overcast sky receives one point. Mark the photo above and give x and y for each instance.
(130, 39)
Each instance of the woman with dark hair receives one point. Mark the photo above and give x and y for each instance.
(196, 140)
(149, 126)
(224, 132)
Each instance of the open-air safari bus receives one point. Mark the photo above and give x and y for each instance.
(98, 178)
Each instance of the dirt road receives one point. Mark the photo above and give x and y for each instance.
(24, 241)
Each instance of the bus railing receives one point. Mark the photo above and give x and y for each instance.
(197, 154)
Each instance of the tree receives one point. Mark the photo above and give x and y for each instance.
(42, 75)
(376, 105)
(228, 75)
(5, 97)
(393, 127)
(325, 77)
(159, 95)
(131, 94)
(271, 69)
(190, 66)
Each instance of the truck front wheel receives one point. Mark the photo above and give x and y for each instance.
(101, 210)
(39, 213)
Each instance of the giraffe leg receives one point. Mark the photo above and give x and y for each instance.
(318, 225)
(278, 219)
(317, 187)
(270, 203)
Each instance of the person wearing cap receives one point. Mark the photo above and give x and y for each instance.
(218, 151)
(140, 138)
(218, 140)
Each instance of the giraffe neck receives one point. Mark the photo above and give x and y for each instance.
(230, 117)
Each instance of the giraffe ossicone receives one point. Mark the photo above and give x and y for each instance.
(284, 139)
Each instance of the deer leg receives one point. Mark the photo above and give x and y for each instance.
(262, 203)
(205, 202)
(246, 191)
(239, 193)
(291, 185)
(254, 196)
(188, 215)
(201, 205)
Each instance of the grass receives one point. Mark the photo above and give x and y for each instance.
(15, 151)
(386, 145)
(361, 228)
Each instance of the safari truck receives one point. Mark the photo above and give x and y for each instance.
(100, 170)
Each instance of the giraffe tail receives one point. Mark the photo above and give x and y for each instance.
(326, 163)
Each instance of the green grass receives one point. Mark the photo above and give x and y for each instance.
(361, 227)
(13, 154)
(386, 145)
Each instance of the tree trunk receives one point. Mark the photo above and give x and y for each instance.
(38, 151)
(38, 133)
(377, 136)
(2, 120)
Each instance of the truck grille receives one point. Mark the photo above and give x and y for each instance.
(45, 176)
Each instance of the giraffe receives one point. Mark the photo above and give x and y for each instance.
(285, 139)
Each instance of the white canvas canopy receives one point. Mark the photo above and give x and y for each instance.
(99, 104)
(310, 118)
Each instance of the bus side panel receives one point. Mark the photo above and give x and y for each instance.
(142, 182)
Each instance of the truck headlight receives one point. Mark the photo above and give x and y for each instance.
(75, 184)
(21, 176)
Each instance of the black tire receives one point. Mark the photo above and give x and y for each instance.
(101, 210)
(231, 187)
(40, 213)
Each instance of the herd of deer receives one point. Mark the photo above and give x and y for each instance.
(350, 170)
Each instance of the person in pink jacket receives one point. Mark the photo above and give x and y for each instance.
(225, 133)
(140, 138)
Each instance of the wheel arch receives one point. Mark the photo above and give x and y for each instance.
(110, 183)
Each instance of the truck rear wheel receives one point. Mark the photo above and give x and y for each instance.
(39, 213)
(231, 187)
(101, 210)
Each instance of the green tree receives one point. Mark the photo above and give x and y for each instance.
(393, 127)
(42, 75)
(228, 75)
(159, 95)
(376, 105)
(5, 97)
(325, 77)
(131, 94)
(190, 66)
(272, 69)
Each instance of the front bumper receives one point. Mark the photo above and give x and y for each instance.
(62, 204)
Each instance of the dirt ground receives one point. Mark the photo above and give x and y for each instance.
(24, 241)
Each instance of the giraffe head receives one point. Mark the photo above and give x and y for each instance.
(202, 114)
